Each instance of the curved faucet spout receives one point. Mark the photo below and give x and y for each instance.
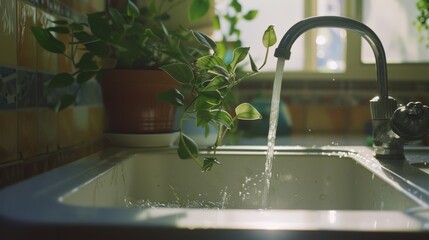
(390, 134)
(285, 45)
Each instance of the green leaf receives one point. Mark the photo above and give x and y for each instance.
(205, 40)
(87, 62)
(61, 80)
(208, 100)
(118, 20)
(59, 22)
(132, 9)
(236, 5)
(269, 38)
(99, 26)
(212, 94)
(239, 54)
(209, 62)
(222, 117)
(250, 15)
(47, 41)
(179, 71)
(253, 64)
(206, 130)
(65, 101)
(84, 77)
(220, 71)
(208, 163)
(232, 25)
(92, 44)
(59, 29)
(216, 23)
(198, 9)
(204, 102)
(203, 117)
(216, 83)
(172, 96)
(77, 26)
(246, 111)
(151, 35)
(187, 147)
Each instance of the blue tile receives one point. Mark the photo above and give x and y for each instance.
(7, 88)
(43, 95)
(26, 89)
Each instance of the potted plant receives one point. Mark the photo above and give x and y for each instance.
(211, 79)
(129, 41)
(141, 41)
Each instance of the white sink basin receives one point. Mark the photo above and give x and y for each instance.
(130, 193)
(300, 180)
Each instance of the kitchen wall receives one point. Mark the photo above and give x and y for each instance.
(33, 138)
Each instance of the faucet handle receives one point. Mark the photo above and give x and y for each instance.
(411, 122)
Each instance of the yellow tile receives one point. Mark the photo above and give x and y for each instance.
(26, 42)
(297, 113)
(8, 133)
(46, 61)
(73, 126)
(96, 123)
(325, 119)
(27, 133)
(47, 130)
(8, 33)
(64, 63)
(95, 6)
(359, 117)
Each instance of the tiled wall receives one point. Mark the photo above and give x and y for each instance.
(33, 138)
(339, 107)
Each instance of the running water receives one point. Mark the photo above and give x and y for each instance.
(274, 115)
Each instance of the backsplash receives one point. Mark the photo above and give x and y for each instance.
(326, 106)
(33, 138)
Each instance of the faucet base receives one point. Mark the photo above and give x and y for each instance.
(382, 153)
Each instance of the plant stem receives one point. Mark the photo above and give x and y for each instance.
(265, 59)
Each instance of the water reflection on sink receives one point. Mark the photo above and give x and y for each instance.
(418, 157)
(310, 179)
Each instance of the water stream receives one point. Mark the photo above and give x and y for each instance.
(274, 116)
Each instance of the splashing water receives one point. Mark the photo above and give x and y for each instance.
(274, 115)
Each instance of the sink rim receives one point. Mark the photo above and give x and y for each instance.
(22, 203)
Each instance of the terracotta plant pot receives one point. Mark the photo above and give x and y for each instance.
(131, 102)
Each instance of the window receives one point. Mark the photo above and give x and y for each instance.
(395, 30)
(282, 14)
(328, 45)
(328, 50)
(330, 42)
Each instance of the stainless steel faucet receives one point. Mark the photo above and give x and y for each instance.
(392, 126)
